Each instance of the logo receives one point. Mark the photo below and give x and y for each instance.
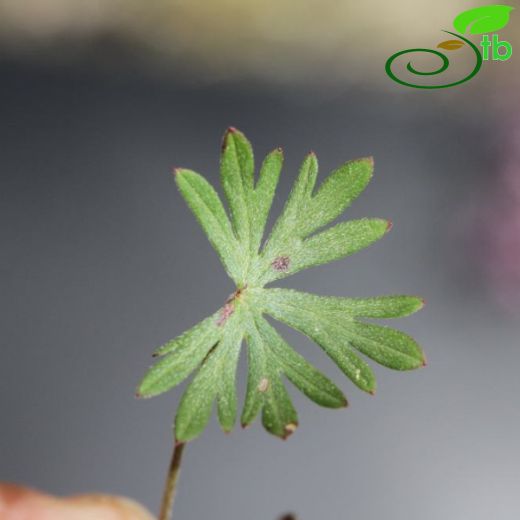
(481, 20)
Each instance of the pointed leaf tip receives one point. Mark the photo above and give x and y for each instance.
(389, 226)
(230, 130)
(369, 160)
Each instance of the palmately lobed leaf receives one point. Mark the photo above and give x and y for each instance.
(209, 351)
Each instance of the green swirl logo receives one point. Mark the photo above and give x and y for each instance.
(480, 20)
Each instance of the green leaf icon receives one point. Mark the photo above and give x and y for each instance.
(479, 20)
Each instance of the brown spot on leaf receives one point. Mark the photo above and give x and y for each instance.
(263, 385)
(281, 263)
(290, 429)
(225, 313)
(236, 295)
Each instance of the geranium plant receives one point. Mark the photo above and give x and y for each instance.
(297, 241)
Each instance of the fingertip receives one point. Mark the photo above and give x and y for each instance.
(120, 508)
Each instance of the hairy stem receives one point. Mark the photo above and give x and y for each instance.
(170, 484)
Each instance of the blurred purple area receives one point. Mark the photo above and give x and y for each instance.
(501, 217)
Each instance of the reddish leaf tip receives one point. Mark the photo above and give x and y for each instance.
(372, 392)
(389, 225)
(230, 130)
(176, 171)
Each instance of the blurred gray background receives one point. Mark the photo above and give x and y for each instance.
(101, 260)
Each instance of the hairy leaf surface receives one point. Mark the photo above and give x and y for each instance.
(303, 236)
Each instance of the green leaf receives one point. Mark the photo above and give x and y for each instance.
(262, 197)
(214, 380)
(332, 244)
(227, 393)
(390, 348)
(286, 226)
(184, 354)
(337, 192)
(258, 375)
(265, 390)
(484, 19)
(205, 204)
(237, 177)
(333, 339)
(299, 239)
(375, 307)
(278, 414)
(305, 213)
(197, 334)
(300, 372)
